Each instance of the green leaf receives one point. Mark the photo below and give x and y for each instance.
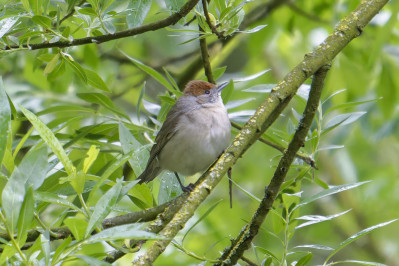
(138, 161)
(5, 120)
(237, 103)
(42, 21)
(12, 198)
(87, 11)
(152, 72)
(201, 218)
(92, 154)
(342, 120)
(75, 67)
(174, 5)
(357, 236)
(332, 190)
(112, 168)
(51, 65)
(261, 88)
(58, 70)
(92, 261)
(227, 92)
(54, 199)
(8, 252)
(386, 88)
(7, 24)
(315, 247)
(103, 207)
(58, 252)
(33, 167)
(314, 219)
(95, 80)
(304, 260)
(127, 231)
(347, 105)
(142, 92)
(77, 225)
(48, 136)
(97, 98)
(361, 262)
(252, 77)
(140, 11)
(25, 217)
(25, 3)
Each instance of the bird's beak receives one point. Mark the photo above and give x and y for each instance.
(221, 86)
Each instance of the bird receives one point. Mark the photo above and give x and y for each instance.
(196, 131)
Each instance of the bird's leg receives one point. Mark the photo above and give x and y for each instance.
(189, 188)
(230, 187)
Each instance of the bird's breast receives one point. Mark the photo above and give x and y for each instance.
(201, 136)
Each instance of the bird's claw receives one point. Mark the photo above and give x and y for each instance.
(188, 188)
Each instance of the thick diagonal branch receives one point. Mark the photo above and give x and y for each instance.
(243, 241)
(348, 29)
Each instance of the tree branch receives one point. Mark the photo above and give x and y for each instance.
(209, 22)
(205, 59)
(171, 20)
(307, 159)
(348, 29)
(232, 254)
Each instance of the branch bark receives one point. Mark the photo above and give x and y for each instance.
(349, 28)
(243, 241)
(171, 20)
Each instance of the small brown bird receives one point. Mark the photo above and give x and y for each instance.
(194, 134)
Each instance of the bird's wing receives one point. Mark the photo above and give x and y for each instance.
(167, 131)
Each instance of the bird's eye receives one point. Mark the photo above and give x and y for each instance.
(207, 91)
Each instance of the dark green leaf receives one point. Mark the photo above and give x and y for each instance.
(95, 80)
(25, 217)
(75, 67)
(103, 207)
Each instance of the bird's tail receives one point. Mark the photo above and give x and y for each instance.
(149, 174)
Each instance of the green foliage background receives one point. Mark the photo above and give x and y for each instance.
(100, 94)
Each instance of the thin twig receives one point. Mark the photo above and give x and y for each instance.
(171, 20)
(243, 241)
(71, 12)
(310, 16)
(209, 22)
(205, 59)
